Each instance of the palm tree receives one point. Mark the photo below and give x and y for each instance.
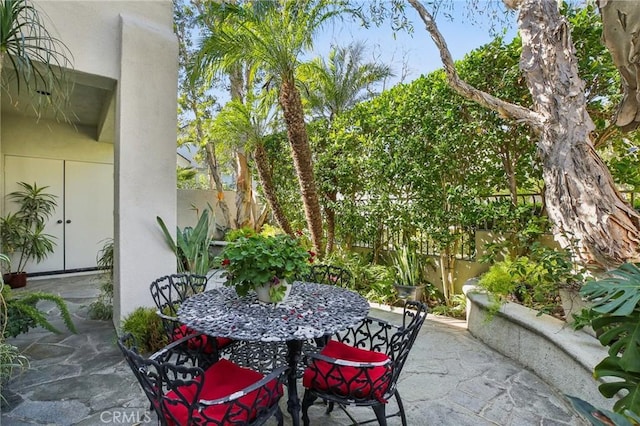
(272, 36)
(36, 60)
(333, 87)
(338, 84)
(249, 122)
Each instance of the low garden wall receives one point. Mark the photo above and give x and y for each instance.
(559, 355)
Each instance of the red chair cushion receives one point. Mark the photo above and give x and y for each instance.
(345, 380)
(221, 379)
(195, 343)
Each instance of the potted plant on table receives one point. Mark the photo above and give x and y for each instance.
(22, 232)
(266, 264)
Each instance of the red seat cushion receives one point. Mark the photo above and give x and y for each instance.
(222, 379)
(342, 380)
(195, 343)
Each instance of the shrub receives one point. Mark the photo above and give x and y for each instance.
(102, 308)
(532, 280)
(146, 327)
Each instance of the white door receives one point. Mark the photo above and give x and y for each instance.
(83, 219)
(43, 172)
(88, 203)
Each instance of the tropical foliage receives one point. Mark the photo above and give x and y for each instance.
(191, 245)
(615, 316)
(23, 231)
(37, 59)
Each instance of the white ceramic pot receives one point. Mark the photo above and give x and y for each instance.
(263, 292)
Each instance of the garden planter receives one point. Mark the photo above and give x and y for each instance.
(409, 292)
(264, 296)
(15, 279)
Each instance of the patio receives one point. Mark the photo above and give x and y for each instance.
(450, 378)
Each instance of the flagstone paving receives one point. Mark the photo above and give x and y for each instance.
(450, 378)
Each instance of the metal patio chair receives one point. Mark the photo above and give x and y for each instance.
(187, 387)
(329, 274)
(361, 366)
(168, 293)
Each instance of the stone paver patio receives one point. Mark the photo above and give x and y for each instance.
(450, 378)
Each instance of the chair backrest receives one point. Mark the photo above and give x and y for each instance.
(329, 274)
(381, 336)
(159, 377)
(170, 291)
(402, 340)
(175, 380)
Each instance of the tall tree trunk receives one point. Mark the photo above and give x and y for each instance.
(266, 179)
(590, 215)
(245, 204)
(221, 202)
(581, 198)
(621, 28)
(289, 99)
(244, 193)
(330, 215)
(212, 163)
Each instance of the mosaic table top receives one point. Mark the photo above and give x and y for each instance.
(312, 310)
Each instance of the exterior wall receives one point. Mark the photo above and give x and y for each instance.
(23, 136)
(91, 30)
(132, 43)
(145, 152)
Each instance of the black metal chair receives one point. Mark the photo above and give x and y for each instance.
(186, 388)
(329, 274)
(361, 366)
(168, 293)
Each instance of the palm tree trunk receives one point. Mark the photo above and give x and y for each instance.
(266, 179)
(212, 163)
(291, 104)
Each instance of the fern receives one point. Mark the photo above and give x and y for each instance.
(23, 314)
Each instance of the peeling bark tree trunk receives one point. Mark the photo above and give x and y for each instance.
(621, 34)
(244, 193)
(580, 196)
(266, 178)
(289, 99)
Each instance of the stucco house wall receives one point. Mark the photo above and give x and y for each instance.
(129, 50)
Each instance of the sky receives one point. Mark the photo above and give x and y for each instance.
(416, 50)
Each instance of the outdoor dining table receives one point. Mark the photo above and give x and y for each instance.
(311, 311)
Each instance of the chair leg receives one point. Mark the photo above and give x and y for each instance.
(380, 414)
(329, 408)
(307, 401)
(279, 417)
(403, 416)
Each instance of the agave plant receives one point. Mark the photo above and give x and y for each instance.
(191, 245)
(615, 316)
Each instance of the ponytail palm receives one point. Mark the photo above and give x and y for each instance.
(272, 36)
(37, 59)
